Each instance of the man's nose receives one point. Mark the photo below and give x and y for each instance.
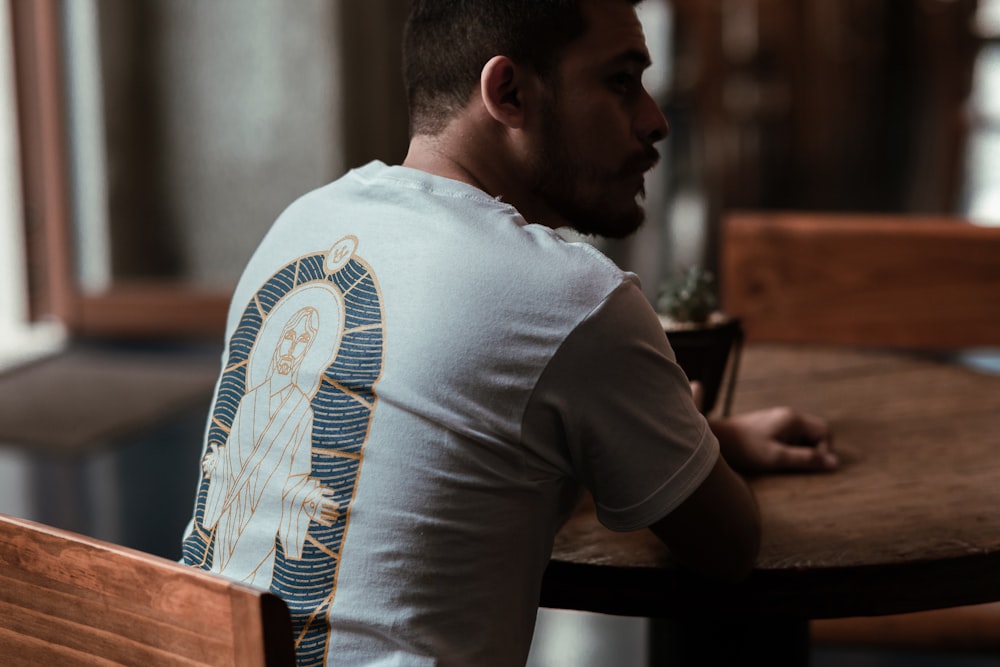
(652, 125)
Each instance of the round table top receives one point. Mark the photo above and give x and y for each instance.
(910, 521)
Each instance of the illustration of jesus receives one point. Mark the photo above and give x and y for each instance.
(260, 483)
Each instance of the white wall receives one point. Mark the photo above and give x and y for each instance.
(250, 118)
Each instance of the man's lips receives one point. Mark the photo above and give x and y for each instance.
(642, 162)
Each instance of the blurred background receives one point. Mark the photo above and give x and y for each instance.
(147, 145)
(150, 143)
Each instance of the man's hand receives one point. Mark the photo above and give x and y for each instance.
(775, 439)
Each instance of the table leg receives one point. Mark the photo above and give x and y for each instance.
(715, 642)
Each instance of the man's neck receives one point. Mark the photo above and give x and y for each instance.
(443, 156)
(426, 153)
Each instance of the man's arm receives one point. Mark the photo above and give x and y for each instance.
(615, 399)
(716, 530)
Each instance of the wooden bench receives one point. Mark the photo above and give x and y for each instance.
(70, 600)
(871, 280)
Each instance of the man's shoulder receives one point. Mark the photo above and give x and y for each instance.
(570, 264)
(431, 229)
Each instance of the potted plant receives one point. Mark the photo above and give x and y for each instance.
(706, 341)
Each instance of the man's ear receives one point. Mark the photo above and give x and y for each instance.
(503, 87)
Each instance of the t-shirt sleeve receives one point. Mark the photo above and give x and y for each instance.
(617, 412)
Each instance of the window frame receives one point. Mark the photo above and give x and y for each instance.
(141, 309)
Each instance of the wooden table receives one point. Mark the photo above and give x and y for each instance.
(910, 522)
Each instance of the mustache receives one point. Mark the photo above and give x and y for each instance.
(642, 161)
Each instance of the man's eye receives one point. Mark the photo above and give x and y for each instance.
(623, 82)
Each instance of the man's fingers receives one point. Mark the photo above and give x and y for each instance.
(790, 457)
(811, 428)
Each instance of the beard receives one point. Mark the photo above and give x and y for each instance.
(586, 194)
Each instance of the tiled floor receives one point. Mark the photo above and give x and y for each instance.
(573, 639)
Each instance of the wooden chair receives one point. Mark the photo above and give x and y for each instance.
(69, 600)
(871, 280)
(896, 281)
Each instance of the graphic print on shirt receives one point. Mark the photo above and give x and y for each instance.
(287, 436)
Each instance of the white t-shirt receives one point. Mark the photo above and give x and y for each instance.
(416, 383)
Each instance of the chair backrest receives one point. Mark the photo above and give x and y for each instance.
(902, 281)
(66, 599)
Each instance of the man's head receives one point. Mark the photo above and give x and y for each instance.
(447, 43)
(560, 124)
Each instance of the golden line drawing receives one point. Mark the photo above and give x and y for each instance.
(287, 436)
(269, 448)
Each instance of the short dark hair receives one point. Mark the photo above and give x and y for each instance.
(447, 43)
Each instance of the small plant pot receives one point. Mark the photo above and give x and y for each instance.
(709, 354)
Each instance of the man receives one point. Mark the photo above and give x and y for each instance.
(486, 371)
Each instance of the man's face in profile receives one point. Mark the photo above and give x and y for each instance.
(598, 126)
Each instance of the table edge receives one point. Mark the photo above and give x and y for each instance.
(836, 592)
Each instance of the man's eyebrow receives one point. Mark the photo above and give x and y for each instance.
(637, 56)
